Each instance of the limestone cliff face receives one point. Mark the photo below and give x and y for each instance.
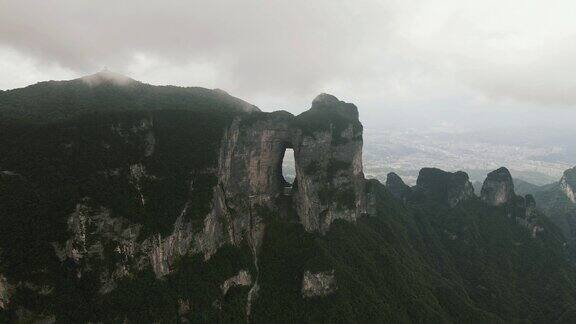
(498, 187)
(445, 187)
(568, 184)
(243, 278)
(4, 292)
(318, 284)
(329, 176)
(329, 184)
(96, 238)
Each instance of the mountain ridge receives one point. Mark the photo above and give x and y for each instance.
(107, 91)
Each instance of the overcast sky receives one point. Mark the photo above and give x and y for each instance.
(456, 61)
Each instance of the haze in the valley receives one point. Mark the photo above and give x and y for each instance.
(456, 84)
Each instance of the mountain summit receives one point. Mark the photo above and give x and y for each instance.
(109, 92)
(107, 76)
(498, 188)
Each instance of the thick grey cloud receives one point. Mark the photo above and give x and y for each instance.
(417, 54)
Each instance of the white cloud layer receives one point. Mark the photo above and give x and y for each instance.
(423, 56)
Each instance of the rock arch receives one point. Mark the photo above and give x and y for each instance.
(327, 144)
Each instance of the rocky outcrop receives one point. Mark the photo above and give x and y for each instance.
(4, 292)
(445, 187)
(498, 188)
(243, 278)
(318, 284)
(568, 184)
(396, 186)
(329, 184)
(164, 251)
(329, 175)
(96, 237)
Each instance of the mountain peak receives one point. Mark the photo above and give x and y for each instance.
(498, 188)
(568, 184)
(107, 76)
(329, 103)
(325, 99)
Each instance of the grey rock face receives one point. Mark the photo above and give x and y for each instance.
(396, 186)
(163, 252)
(498, 188)
(243, 278)
(318, 284)
(329, 175)
(4, 292)
(92, 229)
(445, 187)
(568, 184)
(329, 184)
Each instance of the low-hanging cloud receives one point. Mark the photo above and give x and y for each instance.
(386, 52)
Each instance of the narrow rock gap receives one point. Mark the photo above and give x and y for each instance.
(288, 168)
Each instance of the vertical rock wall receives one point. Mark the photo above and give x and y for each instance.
(329, 176)
(498, 187)
(329, 184)
(568, 184)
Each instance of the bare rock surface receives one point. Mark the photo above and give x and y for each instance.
(568, 184)
(318, 284)
(498, 188)
(4, 292)
(243, 278)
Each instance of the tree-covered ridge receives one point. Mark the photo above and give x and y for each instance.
(61, 100)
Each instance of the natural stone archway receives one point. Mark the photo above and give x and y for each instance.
(288, 166)
(329, 182)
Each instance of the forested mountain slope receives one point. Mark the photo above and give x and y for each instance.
(125, 202)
